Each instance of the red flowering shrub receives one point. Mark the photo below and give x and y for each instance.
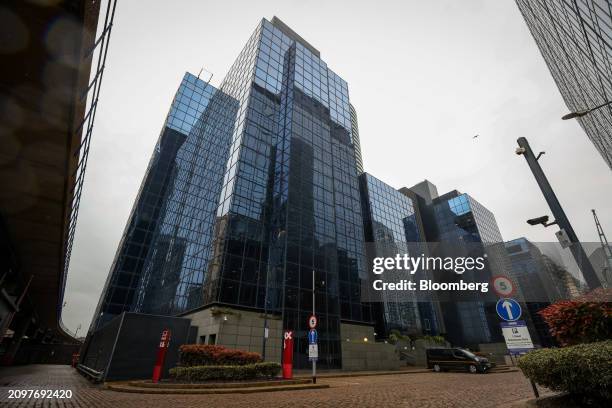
(206, 355)
(583, 320)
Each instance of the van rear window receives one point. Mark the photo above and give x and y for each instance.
(440, 352)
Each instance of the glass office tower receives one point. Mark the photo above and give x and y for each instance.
(161, 258)
(390, 225)
(257, 194)
(575, 39)
(254, 193)
(464, 227)
(290, 204)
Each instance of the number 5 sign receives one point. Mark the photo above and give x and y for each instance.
(312, 322)
(503, 286)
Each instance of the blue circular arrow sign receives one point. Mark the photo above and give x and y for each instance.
(312, 336)
(508, 309)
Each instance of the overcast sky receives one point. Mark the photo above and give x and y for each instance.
(424, 78)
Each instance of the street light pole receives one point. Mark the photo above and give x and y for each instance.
(581, 113)
(561, 219)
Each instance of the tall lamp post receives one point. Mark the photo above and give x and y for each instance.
(581, 113)
(560, 218)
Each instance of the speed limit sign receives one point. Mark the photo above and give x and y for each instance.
(503, 286)
(312, 322)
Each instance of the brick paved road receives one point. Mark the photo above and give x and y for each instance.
(407, 390)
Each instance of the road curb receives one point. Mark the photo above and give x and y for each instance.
(184, 391)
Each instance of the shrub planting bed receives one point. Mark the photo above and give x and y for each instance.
(584, 371)
(225, 372)
(206, 363)
(206, 355)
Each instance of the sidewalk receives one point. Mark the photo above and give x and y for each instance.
(340, 373)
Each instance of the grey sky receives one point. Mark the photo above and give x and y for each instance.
(424, 78)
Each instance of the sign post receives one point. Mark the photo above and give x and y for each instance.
(288, 355)
(508, 309)
(517, 337)
(161, 355)
(515, 331)
(313, 349)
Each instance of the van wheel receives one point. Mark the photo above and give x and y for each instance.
(436, 368)
(472, 368)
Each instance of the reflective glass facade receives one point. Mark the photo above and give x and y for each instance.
(575, 39)
(530, 273)
(163, 249)
(464, 227)
(288, 201)
(390, 224)
(356, 141)
(260, 194)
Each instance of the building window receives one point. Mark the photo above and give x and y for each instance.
(212, 339)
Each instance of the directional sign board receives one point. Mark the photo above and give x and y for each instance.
(312, 336)
(313, 352)
(312, 322)
(517, 337)
(503, 286)
(508, 309)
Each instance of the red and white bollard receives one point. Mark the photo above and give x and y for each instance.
(288, 355)
(161, 355)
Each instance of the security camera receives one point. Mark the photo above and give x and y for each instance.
(537, 221)
(520, 150)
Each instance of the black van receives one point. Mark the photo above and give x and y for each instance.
(444, 359)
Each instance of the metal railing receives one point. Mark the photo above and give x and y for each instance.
(93, 375)
(92, 93)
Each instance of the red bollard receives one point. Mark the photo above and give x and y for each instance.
(75, 359)
(288, 355)
(161, 355)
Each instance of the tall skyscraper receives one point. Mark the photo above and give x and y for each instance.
(258, 194)
(575, 39)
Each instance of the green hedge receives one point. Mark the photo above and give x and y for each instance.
(191, 355)
(225, 373)
(584, 370)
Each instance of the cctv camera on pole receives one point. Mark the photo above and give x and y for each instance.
(541, 220)
(561, 219)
